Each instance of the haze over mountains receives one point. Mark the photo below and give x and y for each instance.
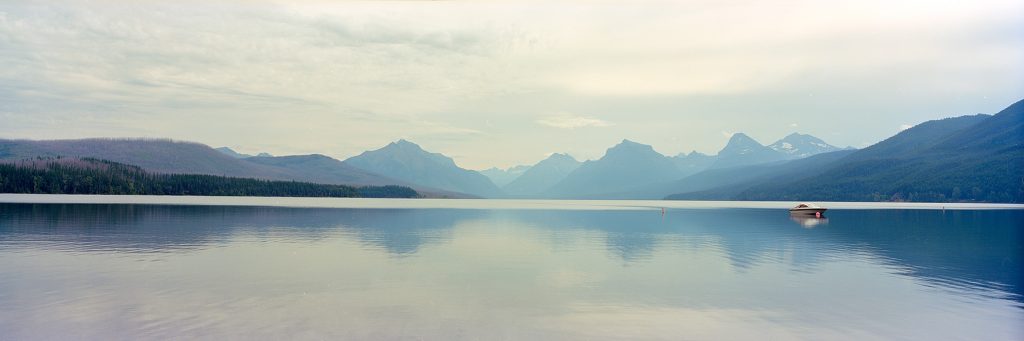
(233, 153)
(407, 161)
(176, 157)
(502, 177)
(325, 169)
(743, 150)
(542, 176)
(163, 156)
(626, 165)
(973, 158)
(693, 162)
(798, 145)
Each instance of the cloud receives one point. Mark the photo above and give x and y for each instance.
(728, 134)
(572, 122)
(794, 125)
(469, 77)
(905, 126)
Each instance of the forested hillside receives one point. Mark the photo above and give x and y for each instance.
(976, 158)
(93, 176)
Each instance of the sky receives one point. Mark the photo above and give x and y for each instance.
(501, 83)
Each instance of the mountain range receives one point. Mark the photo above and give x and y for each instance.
(502, 177)
(796, 146)
(693, 162)
(233, 153)
(968, 158)
(626, 165)
(177, 157)
(407, 161)
(743, 150)
(542, 176)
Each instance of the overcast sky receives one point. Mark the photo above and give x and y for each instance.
(494, 83)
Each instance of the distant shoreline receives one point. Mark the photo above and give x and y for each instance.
(515, 204)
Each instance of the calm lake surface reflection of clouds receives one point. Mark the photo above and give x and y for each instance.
(213, 272)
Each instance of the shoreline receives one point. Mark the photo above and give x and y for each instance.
(513, 204)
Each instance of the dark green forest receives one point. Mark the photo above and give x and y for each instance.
(93, 176)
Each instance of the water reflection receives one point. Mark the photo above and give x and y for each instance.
(966, 249)
(450, 273)
(971, 247)
(809, 222)
(152, 228)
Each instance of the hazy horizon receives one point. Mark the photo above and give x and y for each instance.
(494, 83)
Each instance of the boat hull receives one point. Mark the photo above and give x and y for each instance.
(807, 211)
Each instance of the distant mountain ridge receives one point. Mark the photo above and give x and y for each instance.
(623, 166)
(233, 153)
(324, 169)
(972, 158)
(68, 175)
(967, 158)
(796, 146)
(692, 163)
(156, 155)
(501, 177)
(177, 157)
(407, 161)
(742, 150)
(542, 176)
(718, 184)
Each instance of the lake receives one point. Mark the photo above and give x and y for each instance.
(242, 268)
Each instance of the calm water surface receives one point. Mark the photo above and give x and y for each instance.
(112, 271)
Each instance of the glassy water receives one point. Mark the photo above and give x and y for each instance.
(221, 272)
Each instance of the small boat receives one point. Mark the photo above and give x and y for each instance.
(808, 209)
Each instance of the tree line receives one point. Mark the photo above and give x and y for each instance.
(94, 176)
